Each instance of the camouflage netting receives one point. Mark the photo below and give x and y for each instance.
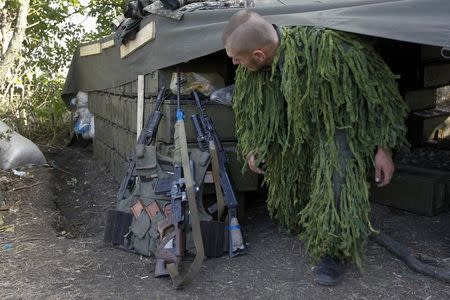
(329, 81)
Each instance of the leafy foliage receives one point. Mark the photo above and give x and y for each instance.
(105, 12)
(30, 99)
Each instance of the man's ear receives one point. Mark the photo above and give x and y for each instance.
(259, 55)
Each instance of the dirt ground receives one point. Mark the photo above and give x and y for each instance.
(51, 247)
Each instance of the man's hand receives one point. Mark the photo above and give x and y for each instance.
(252, 164)
(384, 167)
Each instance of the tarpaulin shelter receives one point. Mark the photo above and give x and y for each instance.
(199, 34)
(410, 34)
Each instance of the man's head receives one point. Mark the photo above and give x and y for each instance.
(250, 40)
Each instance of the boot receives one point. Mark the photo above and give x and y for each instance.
(329, 271)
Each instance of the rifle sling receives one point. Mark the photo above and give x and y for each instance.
(216, 177)
(179, 280)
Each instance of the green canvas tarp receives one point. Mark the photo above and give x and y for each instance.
(199, 33)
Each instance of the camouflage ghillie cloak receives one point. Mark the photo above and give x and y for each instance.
(328, 81)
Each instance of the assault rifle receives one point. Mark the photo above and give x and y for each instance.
(209, 140)
(170, 249)
(145, 138)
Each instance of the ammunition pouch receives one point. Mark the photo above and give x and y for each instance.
(146, 206)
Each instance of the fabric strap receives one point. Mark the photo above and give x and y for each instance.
(216, 176)
(179, 280)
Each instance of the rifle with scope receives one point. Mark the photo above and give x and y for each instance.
(208, 140)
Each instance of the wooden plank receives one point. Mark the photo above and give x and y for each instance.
(108, 44)
(144, 35)
(140, 105)
(90, 49)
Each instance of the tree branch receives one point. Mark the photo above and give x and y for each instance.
(16, 42)
(407, 256)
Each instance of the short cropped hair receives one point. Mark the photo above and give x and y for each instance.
(247, 31)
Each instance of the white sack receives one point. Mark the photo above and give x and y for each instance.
(84, 120)
(18, 151)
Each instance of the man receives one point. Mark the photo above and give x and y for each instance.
(314, 105)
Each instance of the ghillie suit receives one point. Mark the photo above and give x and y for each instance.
(329, 84)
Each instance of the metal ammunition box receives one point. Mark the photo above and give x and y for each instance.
(418, 190)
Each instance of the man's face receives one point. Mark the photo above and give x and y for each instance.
(247, 60)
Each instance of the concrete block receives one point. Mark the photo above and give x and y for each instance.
(149, 106)
(103, 131)
(131, 112)
(105, 106)
(131, 143)
(118, 140)
(115, 137)
(98, 127)
(117, 90)
(109, 134)
(118, 166)
(123, 119)
(101, 151)
(151, 84)
(134, 88)
(92, 101)
(421, 99)
(418, 190)
(123, 140)
(126, 89)
(427, 125)
(115, 110)
(130, 89)
(97, 110)
(100, 107)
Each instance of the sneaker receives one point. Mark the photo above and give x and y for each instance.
(329, 271)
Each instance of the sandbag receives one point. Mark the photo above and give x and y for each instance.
(18, 151)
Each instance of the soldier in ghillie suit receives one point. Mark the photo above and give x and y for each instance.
(315, 105)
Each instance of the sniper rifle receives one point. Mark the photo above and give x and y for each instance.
(209, 140)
